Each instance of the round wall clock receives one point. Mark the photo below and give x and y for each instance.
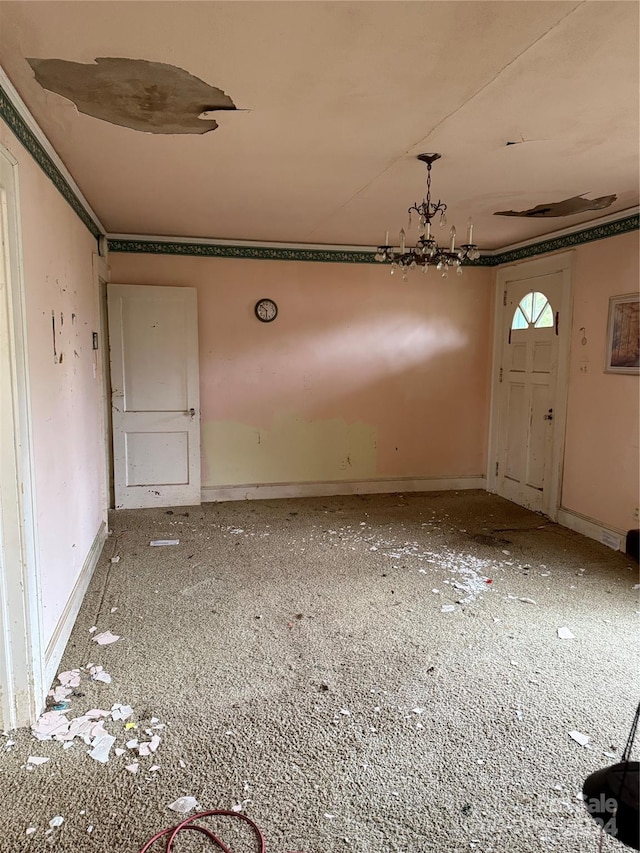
(266, 310)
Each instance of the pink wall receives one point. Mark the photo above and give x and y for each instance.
(601, 455)
(361, 376)
(65, 396)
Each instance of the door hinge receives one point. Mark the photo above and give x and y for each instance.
(497, 468)
(504, 298)
(501, 372)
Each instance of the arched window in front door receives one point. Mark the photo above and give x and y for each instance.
(534, 311)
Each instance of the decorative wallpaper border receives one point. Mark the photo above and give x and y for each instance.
(208, 249)
(25, 135)
(568, 241)
(161, 246)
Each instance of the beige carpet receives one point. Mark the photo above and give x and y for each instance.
(299, 658)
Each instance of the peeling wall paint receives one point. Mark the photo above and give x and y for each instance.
(65, 395)
(153, 97)
(290, 450)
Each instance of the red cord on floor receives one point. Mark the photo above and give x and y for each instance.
(189, 825)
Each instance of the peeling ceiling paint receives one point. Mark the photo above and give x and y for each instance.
(567, 207)
(152, 97)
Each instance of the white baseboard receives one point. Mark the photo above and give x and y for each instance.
(592, 528)
(339, 487)
(62, 632)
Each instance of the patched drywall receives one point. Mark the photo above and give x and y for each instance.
(291, 449)
(149, 96)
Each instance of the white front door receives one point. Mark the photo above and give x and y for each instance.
(529, 400)
(153, 337)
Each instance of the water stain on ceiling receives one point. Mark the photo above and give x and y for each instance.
(568, 207)
(153, 97)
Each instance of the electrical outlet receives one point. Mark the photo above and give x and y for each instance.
(636, 513)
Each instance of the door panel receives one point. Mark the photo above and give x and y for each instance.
(155, 395)
(154, 458)
(515, 426)
(538, 436)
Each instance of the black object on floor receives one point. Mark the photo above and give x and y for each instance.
(632, 547)
(611, 798)
(611, 795)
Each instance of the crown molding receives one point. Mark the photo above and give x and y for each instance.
(27, 131)
(20, 121)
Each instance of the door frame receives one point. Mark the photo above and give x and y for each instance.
(561, 263)
(101, 278)
(22, 653)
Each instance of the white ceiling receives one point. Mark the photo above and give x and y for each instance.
(335, 100)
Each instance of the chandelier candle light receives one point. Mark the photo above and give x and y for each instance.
(427, 251)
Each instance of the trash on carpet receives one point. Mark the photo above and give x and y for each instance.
(37, 759)
(58, 820)
(101, 748)
(520, 598)
(183, 804)
(447, 608)
(115, 559)
(565, 634)
(105, 638)
(583, 740)
(70, 678)
(121, 712)
(160, 542)
(132, 768)
(98, 674)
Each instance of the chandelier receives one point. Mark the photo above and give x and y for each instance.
(426, 251)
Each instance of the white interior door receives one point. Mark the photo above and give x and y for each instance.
(530, 390)
(153, 336)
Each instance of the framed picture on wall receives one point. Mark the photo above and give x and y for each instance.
(623, 336)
